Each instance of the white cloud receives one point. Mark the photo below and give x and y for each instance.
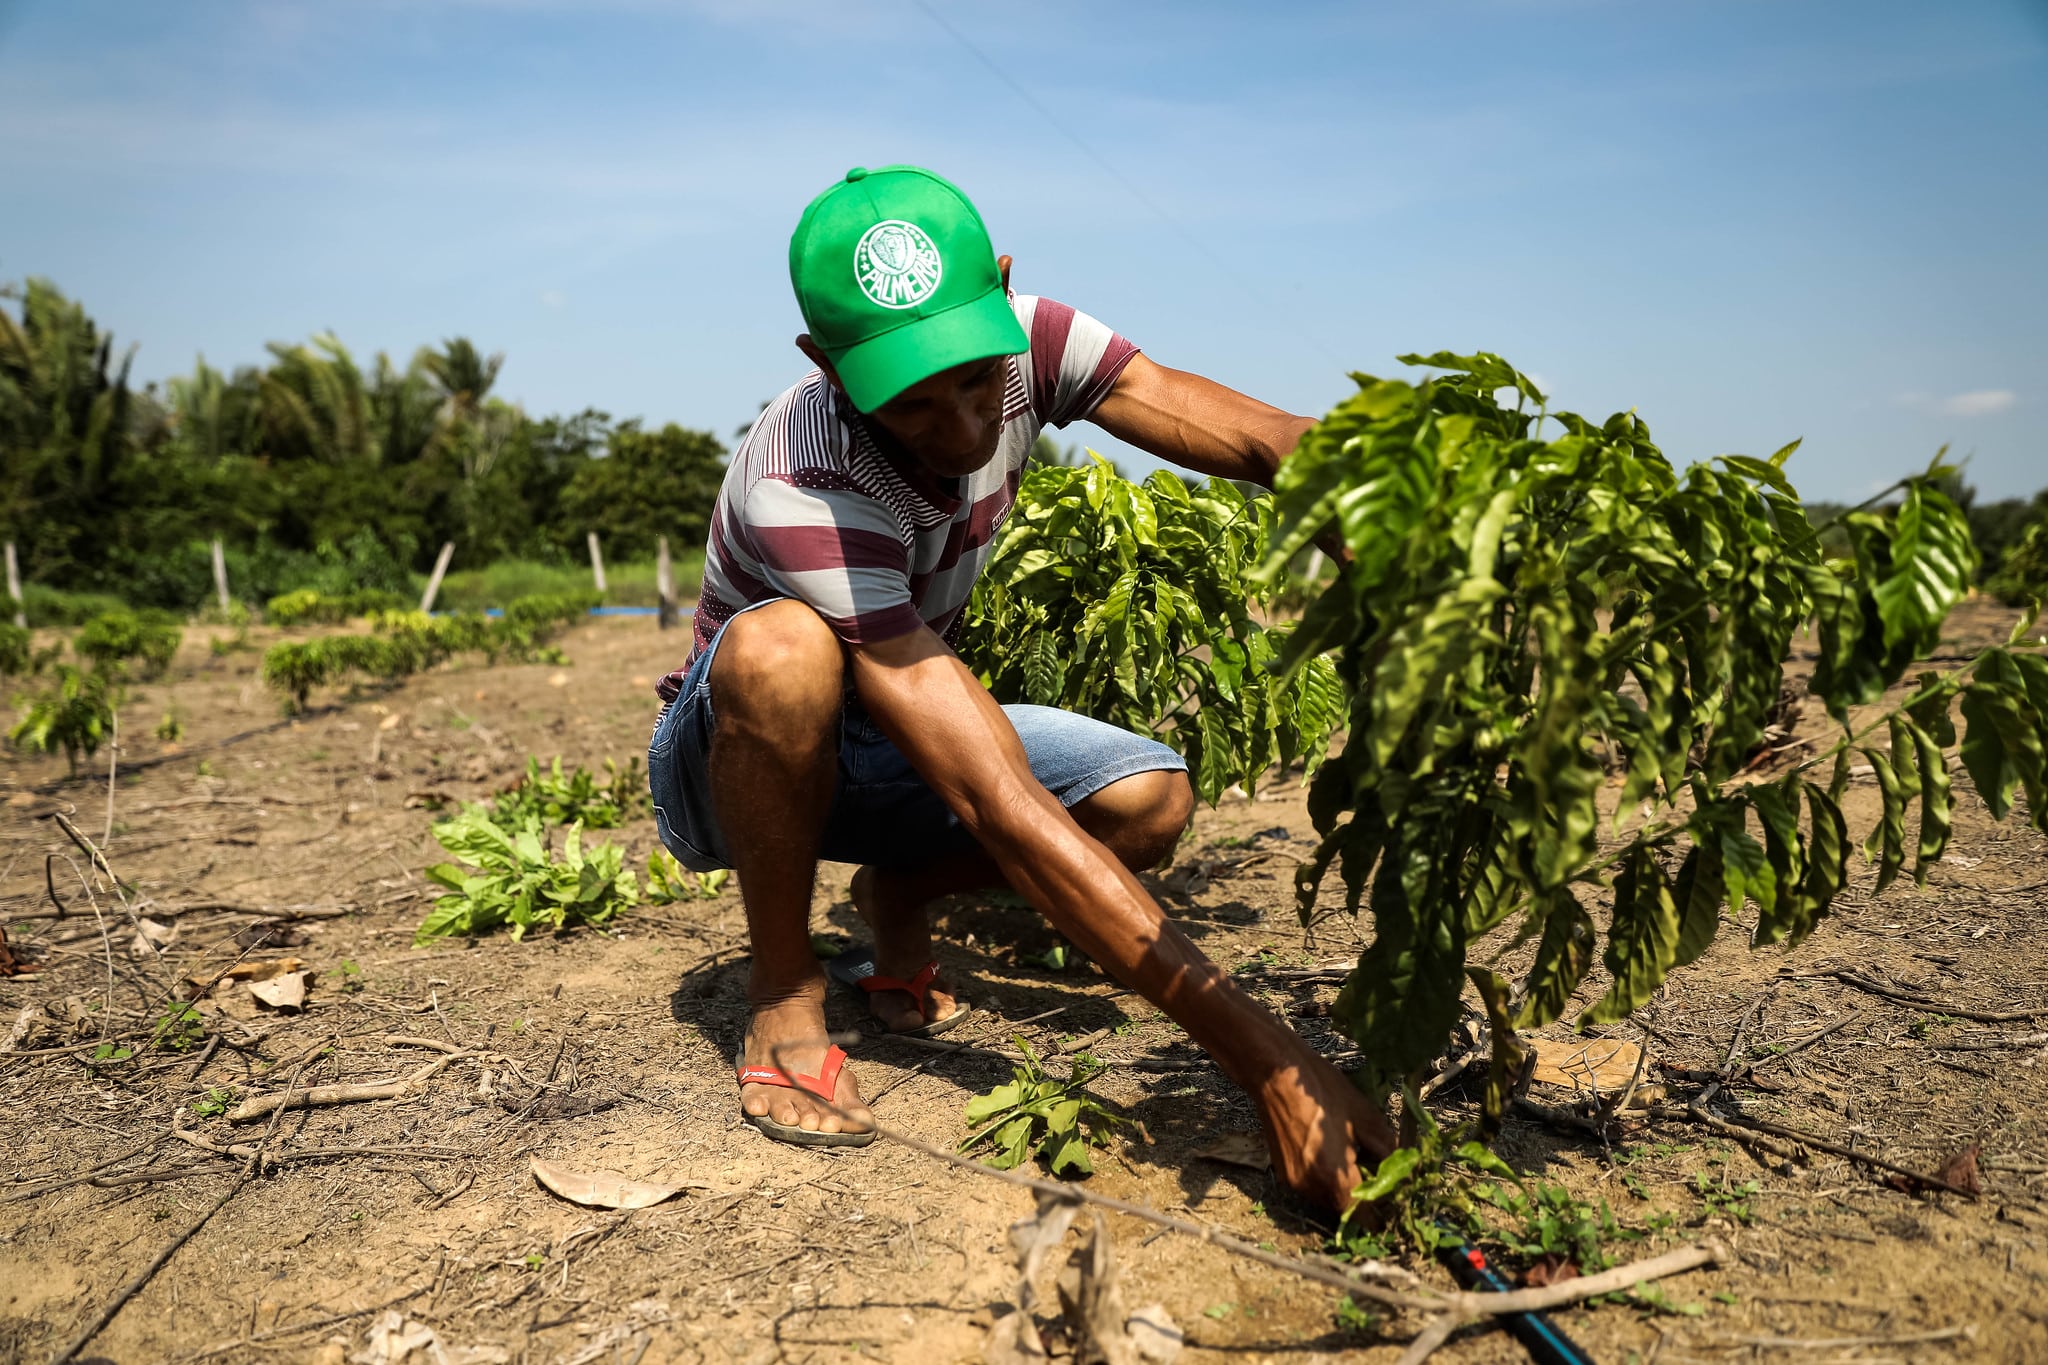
(1978, 403)
(1975, 403)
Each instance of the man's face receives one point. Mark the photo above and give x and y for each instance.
(951, 422)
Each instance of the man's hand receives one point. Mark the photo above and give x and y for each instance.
(1197, 423)
(962, 744)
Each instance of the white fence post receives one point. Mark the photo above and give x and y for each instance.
(14, 588)
(596, 562)
(220, 575)
(664, 583)
(434, 582)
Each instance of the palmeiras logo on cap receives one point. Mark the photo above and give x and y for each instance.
(896, 264)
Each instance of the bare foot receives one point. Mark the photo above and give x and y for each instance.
(903, 945)
(792, 1036)
(1318, 1127)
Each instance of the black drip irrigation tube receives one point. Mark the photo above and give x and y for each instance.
(1543, 1339)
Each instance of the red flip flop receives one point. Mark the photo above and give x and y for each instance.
(824, 1085)
(856, 967)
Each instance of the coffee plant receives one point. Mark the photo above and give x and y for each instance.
(74, 713)
(1132, 603)
(111, 639)
(307, 607)
(2022, 580)
(402, 643)
(17, 650)
(1522, 614)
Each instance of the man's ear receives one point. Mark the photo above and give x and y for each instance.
(1003, 269)
(820, 359)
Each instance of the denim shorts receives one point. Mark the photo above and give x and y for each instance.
(882, 811)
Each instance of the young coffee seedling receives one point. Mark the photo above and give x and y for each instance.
(74, 713)
(1033, 1113)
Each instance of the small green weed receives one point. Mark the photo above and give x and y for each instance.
(1058, 958)
(1436, 1194)
(170, 729)
(1033, 1113)
(1926, 1024)
(1725, 1198)
(214, 1102)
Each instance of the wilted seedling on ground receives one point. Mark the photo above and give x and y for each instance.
(513, 877)
(557, 799)
(668, 881)
(1033, 1113)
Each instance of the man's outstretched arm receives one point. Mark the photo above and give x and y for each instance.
(1197, 423)
(963, 745)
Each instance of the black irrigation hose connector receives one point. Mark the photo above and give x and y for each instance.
(1545, 1342)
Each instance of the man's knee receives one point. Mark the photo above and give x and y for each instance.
(780, 661)
(1142, 816)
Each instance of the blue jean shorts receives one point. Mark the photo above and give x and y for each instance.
(882, 811)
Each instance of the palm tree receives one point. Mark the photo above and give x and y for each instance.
(66, 421)
(463, 373)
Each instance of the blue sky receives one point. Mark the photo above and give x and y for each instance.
(1748, 219)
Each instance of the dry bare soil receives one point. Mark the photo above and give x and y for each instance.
(259, 839)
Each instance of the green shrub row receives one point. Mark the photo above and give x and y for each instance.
(406, 642)
(307, 607)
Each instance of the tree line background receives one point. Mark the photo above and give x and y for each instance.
(314, 469)
(318, 471)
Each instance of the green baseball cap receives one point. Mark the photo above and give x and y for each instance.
(897, 281)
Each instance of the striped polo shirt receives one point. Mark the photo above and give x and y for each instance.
(814, 508)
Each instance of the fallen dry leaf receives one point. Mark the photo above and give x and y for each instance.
(396, 1340)
(250, 971)
(24, 1024)
(283, 992)
(1960, 1170)
(1238, 1149)
(391, 721)
(152, 937)
(558, 680)
(1585, 1064)
(600, 1189)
